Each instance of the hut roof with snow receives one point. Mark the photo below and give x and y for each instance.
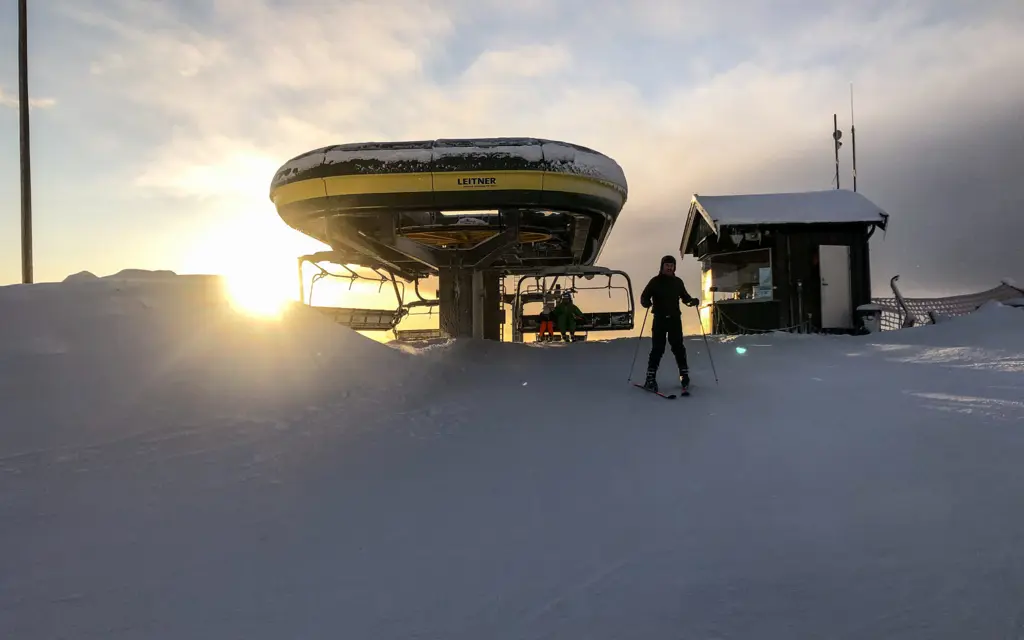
(712, 214)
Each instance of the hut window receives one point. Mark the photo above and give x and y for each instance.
(740, 275)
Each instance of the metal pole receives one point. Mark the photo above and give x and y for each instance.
(835, 138)
(26, 168)
(638, 339)
(800, 304)
(707, 347)
(478, 304)
(853, 139)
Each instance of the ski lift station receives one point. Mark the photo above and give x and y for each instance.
(470, 212)
(787, 261)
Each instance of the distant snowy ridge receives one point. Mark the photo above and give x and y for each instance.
(81, 276)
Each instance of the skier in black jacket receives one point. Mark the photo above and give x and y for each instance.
(662, 295)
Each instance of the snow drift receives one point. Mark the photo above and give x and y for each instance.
(170, 468)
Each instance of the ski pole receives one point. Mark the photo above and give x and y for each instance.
(707, 347)
(638, 339)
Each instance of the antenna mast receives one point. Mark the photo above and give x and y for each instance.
(836, 135)
(853, 137)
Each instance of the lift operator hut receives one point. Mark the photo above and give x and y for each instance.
(782, 261)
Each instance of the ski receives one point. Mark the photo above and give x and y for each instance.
(667, 396)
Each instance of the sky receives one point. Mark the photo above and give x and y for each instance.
(157, 126)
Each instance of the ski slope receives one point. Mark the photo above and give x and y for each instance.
(170, 468)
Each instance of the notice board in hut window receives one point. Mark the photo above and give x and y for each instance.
(741, 275)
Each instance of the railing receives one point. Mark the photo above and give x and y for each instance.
(899, 312)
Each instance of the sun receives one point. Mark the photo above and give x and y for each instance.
(257, 293)
(256, 266)
(254, 252)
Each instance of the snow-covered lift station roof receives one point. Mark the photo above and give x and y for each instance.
(448, 154)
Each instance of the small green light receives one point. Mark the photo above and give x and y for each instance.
(741, 349)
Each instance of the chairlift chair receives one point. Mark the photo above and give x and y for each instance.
(369, 319)
(620, 319)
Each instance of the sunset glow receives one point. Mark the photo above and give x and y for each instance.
(260, 294)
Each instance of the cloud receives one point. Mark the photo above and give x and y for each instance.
(208, 70)
(701, 97)
(216, 166)
(12, 101)
(523, 62)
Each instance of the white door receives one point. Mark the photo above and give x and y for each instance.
(836, 300)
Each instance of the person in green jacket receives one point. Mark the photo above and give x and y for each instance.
(565, 315)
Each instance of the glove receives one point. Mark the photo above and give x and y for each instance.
(692, 302)
(645, 304)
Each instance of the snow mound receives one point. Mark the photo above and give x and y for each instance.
(159, 342)
(171, 468)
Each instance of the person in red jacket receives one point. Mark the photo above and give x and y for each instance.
(546, 331)
(662, 295)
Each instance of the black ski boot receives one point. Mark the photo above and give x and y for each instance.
(684, 380)
(652, 380)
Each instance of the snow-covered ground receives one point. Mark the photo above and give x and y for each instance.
(172, 469)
